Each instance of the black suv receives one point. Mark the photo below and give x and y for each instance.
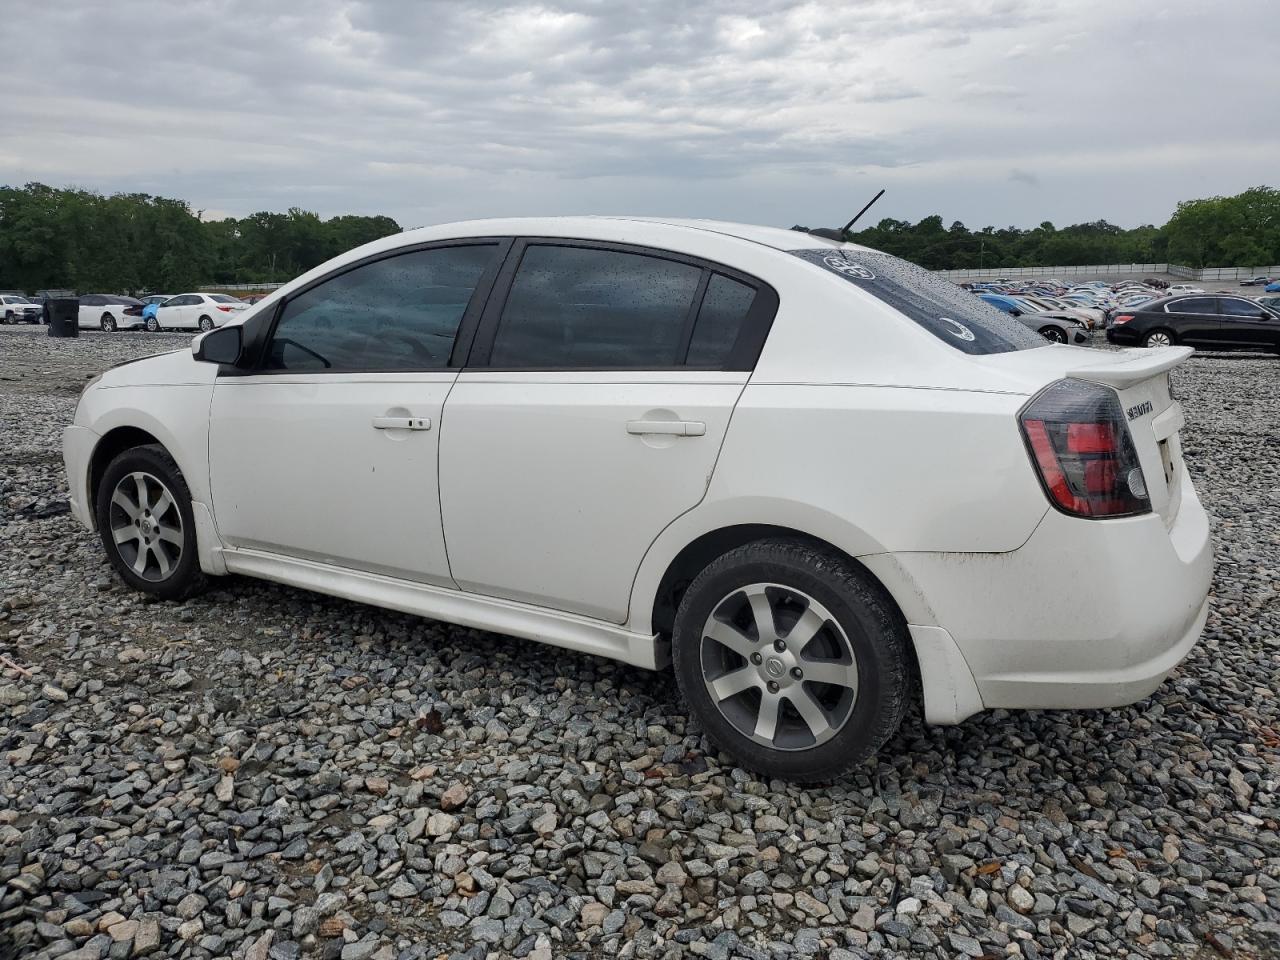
(1199, 320)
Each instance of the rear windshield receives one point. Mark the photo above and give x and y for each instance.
(223, 298)
(951, 314)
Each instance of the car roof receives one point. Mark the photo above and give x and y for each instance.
(776, 237)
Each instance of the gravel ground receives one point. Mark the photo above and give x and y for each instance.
(263, 772)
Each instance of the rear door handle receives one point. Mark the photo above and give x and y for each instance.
(401, 423)
(670, 428)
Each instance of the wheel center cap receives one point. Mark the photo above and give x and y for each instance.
(148, 526)
(775, 667)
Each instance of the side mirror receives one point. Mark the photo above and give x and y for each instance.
(1015, 312)
(221, 346)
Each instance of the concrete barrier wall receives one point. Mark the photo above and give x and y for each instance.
(1063, 273)
(1099, 270)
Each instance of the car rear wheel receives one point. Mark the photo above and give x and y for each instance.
(146, 525)
(1053, 334)
(108, 323)
(1158, 338)
(794, 662)
(206, 323)
(152, 325)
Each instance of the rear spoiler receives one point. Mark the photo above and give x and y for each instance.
(1142, 365)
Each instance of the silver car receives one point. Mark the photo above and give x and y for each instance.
(1057, 327)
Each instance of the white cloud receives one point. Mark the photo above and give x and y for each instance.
(770, 111)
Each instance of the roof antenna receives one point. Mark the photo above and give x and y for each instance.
(841, 235)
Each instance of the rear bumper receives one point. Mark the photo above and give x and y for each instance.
(77, 448)
(1032, 641)
(1123, 336)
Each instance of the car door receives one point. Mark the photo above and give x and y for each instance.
(325, 448)
(89, 313)
(590, 416)
(1248, 324)
(172, 313)
(1195, 321)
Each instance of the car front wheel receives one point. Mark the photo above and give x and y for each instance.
(146, 525)
(793, 660)
(1053, 334)
(152, 325)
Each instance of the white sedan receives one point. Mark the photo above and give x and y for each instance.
(810, 476)
(108, 312)
(195, 311)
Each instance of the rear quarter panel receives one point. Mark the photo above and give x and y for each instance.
(871, 470)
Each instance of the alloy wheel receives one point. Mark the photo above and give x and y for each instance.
(1054, 335)
(1159, 339)
(778, 666)
(146, 526)
(206, 323)
(108, 323)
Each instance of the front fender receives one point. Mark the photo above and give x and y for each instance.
(177, 415)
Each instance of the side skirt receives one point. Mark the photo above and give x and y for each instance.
(451, 606)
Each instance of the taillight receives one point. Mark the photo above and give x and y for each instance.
(133, 311)
(1081, 447)
(1121, 318)
(226, 309)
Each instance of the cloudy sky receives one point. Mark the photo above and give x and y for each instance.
(987, 111)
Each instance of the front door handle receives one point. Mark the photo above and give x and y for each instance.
(670, 428)
(401, 423)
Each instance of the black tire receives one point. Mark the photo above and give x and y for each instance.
(1161, 331)
(867, 616)
(1053, 334)
(205, 323)
(108, 323)
(185, 578)
(152, 325)
(8, 316)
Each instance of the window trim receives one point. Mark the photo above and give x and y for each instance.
(742, 356)
(259, 329)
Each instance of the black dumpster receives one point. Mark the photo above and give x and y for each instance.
(63, 315)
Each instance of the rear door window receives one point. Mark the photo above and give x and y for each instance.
(582, 308)
(1193, 305)
(951, 314)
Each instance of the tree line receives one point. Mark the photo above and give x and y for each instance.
(1238, 231)
(133, 243)
(78, 239)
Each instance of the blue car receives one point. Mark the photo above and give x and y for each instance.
(1272, 287)
(1002, 301)
(150, 303)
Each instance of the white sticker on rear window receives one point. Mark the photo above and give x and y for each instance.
(958, 329)
(950, 313)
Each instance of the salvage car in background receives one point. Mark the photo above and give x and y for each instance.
(1210, 322)
(1057, 327)
(820, 480)
(108, 312)
(195, 311)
